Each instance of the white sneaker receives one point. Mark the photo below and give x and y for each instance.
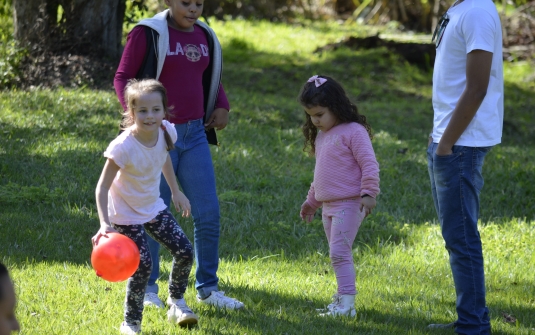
(130, 329)
(343, 304)
(151, 299)
(336, 301)
(180, 313)
(218, 299)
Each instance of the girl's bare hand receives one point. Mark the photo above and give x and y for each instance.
(367, 204)
(103, 231)
(182, 204)
(307, 212)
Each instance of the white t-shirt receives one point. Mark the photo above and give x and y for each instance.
(473, 25)
(134, 196)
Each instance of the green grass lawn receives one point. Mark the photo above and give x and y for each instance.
(51, 145)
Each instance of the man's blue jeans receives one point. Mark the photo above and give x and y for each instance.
(456, 181)
(192, 163)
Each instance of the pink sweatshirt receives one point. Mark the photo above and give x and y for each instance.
(345, 165)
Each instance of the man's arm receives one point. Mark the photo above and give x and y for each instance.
(478, 64)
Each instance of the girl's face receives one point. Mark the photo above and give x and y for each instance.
(321, 117)
(8, 321)
(149, 112)
(184, 13)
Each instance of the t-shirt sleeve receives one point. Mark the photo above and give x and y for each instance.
(171, 130)
(116, 153)
(479, 29)
(131, 61)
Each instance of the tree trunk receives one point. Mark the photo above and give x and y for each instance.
(85, 27)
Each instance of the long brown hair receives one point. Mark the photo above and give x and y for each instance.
(331, 95)
(133, 90)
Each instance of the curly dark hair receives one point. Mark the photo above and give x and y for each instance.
(332, 96)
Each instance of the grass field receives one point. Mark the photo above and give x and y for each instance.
(51, 145)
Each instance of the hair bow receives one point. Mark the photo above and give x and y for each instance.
(317, 80)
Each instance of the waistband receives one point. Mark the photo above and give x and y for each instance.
(191, 122)
(342, 200)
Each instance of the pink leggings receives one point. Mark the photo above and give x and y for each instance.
(341, 221)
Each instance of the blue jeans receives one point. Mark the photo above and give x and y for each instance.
(192, 163)
(456, 182)
(154, 248)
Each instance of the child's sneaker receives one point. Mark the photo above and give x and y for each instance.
(130, 329)
(180, 313)
(336, 301)
(152, 299)
(218, 299)
(344, 304)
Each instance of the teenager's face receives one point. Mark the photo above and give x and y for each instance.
(8, 321)
(184, 13)
(321, 117)
(149, 112)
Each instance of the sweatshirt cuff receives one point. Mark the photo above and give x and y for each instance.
(369, 193)
(314, 203)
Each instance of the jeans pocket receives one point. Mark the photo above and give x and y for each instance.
(483, 150)
(456, 150)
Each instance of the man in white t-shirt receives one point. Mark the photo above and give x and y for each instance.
(468, 120)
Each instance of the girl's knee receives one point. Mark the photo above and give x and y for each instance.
(341, 257)
(186, 252)
(145, 263)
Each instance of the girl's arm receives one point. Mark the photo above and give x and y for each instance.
(179, 199)
(310, 206)
(362, 148)
(103, 187)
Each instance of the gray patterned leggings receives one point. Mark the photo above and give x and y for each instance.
(168, 233)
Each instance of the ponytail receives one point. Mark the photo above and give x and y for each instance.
(168, 140)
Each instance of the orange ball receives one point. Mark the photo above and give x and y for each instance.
(115, 258)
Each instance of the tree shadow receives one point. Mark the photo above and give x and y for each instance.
(263, 93)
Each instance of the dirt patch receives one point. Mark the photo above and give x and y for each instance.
(67, 70)
(420, 54)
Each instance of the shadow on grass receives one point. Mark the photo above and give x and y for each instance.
(283, 314)
(72, 167)
(262, 88)
(46, 234)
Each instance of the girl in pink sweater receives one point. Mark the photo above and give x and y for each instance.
(346, 178)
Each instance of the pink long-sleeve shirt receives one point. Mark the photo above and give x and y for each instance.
(346, 166)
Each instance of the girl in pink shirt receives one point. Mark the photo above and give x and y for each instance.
(346, 178)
